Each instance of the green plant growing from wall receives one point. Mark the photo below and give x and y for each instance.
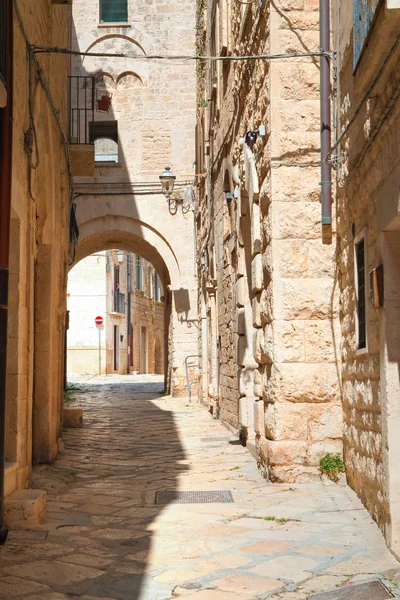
(332, 465)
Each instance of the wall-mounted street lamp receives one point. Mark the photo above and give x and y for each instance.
(120, 256)
(167, 185)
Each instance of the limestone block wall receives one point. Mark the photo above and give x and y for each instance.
(39, 244)
(275, 277)
(153, 103)
(368, 207)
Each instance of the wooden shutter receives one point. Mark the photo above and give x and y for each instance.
(364, 12)
(113, 11)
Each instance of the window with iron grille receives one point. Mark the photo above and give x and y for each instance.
(157, 287)
(113, 11)
(364, 12)
(361, 308)
(139, 273)
(150, 282)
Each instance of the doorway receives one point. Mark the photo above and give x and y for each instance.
(143, 350)
(131, 347)
(116, 348)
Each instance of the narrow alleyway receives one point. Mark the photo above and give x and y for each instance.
(108, 534)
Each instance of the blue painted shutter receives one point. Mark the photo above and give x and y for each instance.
(364, 13)
(113, 11)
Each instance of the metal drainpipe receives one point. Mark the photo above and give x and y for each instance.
(129, 277)
(325, 101)
(6, 123)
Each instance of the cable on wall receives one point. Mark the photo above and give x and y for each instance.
(329, 157)
(45, 85)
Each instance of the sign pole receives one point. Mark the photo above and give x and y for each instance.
(99, 322)
(99, 328)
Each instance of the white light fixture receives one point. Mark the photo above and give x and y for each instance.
(120, 256)
(167, 185)
(167, 182)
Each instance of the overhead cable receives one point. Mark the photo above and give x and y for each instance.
(57, 50)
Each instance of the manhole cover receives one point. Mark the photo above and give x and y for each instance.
(170, 497)
(364, 591)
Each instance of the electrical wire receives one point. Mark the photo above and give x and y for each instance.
(57, 50)
(45, 85)
(365, 98)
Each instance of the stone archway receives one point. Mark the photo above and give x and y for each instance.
(140, 222)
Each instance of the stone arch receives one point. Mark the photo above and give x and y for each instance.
(129, 74)
(116, 44)
(115, 35)
(113, 232)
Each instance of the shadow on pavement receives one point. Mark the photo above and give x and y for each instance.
(96, 537)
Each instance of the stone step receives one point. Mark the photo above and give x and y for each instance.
(73, 417)
(24, 509)
(10, 478)
(251, 447)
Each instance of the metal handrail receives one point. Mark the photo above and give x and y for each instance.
(188, 383)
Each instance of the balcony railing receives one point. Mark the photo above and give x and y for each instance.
(82, 103)
(119, 303)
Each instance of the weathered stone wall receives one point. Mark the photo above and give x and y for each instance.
(368, 206)
(275, 277)
(154, 105)
(39, 243)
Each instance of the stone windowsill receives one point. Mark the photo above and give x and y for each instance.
(361, 351)
(101, 163)
(114, 25)
(117, 315)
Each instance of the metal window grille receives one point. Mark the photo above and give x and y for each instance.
(81, 102)
(113, 11)
(361, 316)
(364, 12)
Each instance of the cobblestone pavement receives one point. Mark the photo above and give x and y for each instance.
(104, 537)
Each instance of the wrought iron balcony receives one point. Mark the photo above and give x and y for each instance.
(82, 105)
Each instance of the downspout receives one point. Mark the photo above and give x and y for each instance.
(129, 285)
(325, 102)
(6, 131)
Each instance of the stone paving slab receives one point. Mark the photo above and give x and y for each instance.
(104, 538)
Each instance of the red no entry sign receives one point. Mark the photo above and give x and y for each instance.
(99, 320)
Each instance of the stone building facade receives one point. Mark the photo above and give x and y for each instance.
(143, 119)
(99, 286)
(39, 247)
(269, 340)
(368, 111)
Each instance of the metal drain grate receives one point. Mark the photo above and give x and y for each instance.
(364, 591)
(218, 496)
(217, 439)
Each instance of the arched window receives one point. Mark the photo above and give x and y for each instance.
(105, 150)
(104, 135)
